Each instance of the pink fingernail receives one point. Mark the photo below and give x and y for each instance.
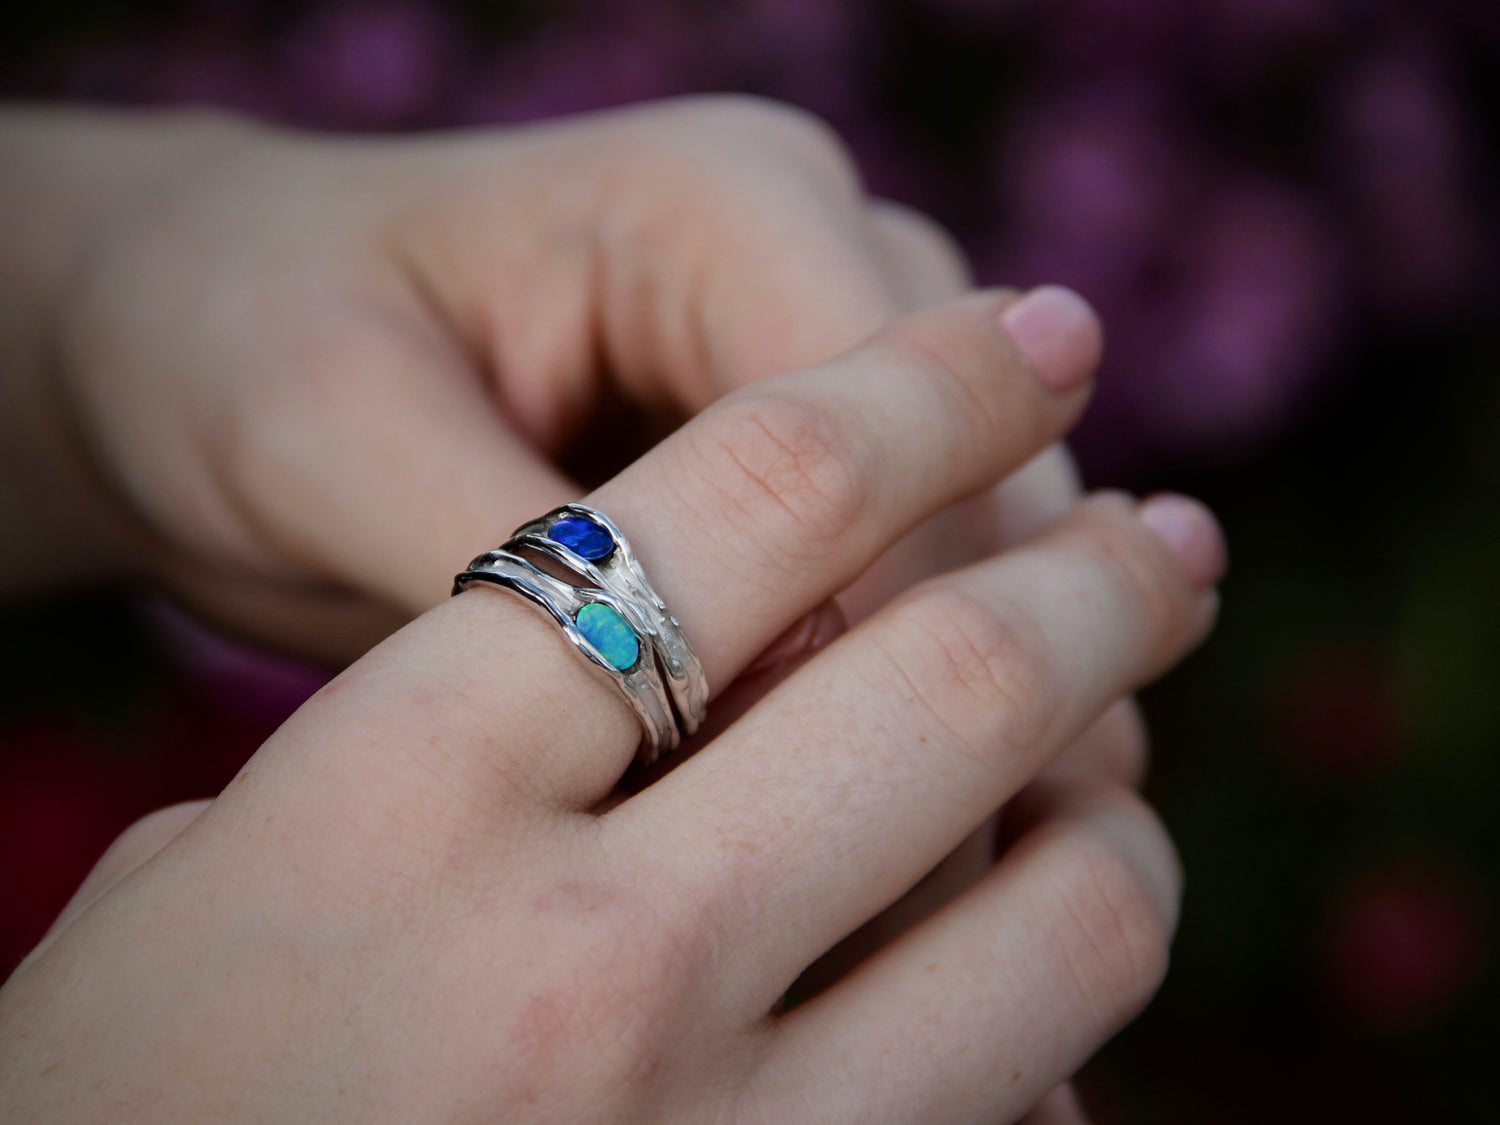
(1059, 333)
(1189, 528)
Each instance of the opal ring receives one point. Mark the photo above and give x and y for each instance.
(577, 567)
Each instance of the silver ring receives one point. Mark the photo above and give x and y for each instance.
(633, 639)
(608, 561)
(639, 682)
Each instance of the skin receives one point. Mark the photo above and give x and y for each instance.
(298, 383)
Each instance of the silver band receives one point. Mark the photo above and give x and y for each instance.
(641, 685)
(666, 685)
(622, 574)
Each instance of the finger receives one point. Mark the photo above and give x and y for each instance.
(131, 848)
(981, 1010)
(720, 240)
(1024, 502)
(775, 263)
(391, 484)
(1061, 1107)
(807, 636)
(886, 750)
(746, 518)
(787, 490)
(925, 264)
(1113, 749)
(960, 869)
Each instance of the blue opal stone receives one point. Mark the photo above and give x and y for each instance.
(583, 537)
(608, 632)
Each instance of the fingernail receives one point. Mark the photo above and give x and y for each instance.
(1189, 528)
(1059, 333)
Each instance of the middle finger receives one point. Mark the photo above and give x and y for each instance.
(856, 775)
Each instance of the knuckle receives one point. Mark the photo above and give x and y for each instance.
(789, 467)
(785, 128)
(1115, 940)
(983, 669)
(956, 354)
(929, 235)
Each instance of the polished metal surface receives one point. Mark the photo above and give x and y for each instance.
(641, 685)
(622, 574)
(667, 687)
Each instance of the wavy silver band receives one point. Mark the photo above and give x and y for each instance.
(621, 573)
(641, 685)
(666, 685)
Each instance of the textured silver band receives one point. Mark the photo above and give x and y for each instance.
(666, 687)
(641, 685)
(621, 573)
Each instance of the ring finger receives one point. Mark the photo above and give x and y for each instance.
(749, 516)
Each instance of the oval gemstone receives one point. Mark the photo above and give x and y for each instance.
(583, 537)
(608, 632)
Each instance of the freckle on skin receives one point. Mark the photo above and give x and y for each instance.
(1016, 1077)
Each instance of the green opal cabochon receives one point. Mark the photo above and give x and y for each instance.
(608, 632)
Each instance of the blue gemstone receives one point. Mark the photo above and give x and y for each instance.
(608, 632)
(583, 536)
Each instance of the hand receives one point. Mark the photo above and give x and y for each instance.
(310, 374)
(408, 906)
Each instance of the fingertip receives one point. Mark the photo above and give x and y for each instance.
(1059, 332)
(1192, 533)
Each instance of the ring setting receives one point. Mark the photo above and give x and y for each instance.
(578, 568)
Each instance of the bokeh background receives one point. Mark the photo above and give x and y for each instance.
(1286, 211)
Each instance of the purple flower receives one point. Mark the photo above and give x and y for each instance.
(1398, 151)
(1255, 312)
(370, 64)
(1090, 178)
(1105, 35)
(649, 50)
(216, 70)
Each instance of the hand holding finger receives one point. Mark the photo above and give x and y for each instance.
(770, 502)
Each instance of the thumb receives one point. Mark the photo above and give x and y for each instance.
(388, 471)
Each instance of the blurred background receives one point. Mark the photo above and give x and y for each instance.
(1286, 211)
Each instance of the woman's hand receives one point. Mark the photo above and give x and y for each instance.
(297, 377)
(420, 901)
